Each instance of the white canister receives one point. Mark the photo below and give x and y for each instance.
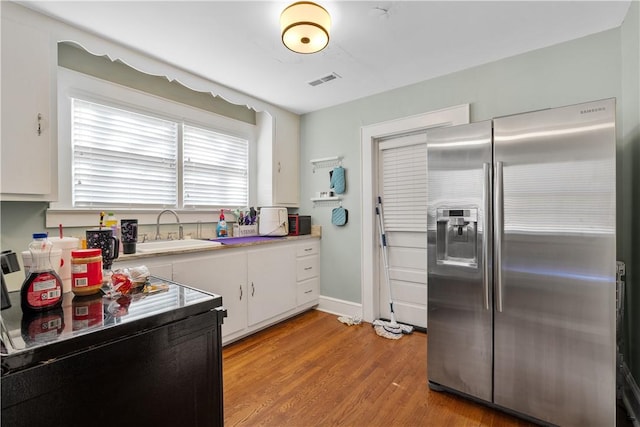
(66, 245)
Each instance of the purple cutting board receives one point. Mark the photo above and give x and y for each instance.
(248, 239)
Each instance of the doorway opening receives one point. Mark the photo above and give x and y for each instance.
(409, 130)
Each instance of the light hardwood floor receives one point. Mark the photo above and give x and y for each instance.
(313, 370)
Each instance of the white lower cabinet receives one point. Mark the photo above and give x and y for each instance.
(308, 272)
(272, 282)
(223, 273)
(260, 285)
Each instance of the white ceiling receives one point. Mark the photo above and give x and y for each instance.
(375, 46)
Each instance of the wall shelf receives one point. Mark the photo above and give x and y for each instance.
(326, 162)
(326, 201)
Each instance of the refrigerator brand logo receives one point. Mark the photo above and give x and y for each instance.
(592, 110)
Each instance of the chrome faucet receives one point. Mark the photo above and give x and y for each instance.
(180, 230)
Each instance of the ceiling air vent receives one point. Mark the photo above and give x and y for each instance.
(324, 79)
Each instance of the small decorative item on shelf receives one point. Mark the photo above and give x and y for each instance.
(323, 194)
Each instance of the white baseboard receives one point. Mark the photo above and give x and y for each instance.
(339, 307)
(630, 395)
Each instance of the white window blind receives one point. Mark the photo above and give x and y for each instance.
(403, 183)
(122, 158)
(215, 168)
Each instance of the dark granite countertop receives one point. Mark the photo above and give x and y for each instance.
(85, 322)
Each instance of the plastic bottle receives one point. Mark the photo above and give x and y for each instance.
(221, 229)
(42, 289)
(112, 223)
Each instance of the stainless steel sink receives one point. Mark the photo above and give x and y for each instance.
(174, 245)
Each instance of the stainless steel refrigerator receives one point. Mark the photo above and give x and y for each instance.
(522, 261)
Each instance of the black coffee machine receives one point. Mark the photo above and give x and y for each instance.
(9, 262)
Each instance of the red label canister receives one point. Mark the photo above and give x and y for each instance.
(86, 271)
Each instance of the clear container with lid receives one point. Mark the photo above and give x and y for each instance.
(86, 271)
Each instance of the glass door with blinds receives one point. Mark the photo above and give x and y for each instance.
(402, 184)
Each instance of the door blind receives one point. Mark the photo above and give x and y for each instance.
(404, 183)
(122, 158)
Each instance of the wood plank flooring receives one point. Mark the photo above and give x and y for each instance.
(313, 370)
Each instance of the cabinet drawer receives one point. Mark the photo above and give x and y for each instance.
(310, 248)
(307, 267)
(308, 291)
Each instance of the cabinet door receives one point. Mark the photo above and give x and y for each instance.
(286, 160)
(272, 282)
(28, 152)
(224, 274)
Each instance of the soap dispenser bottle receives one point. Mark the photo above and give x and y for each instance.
(221, 229)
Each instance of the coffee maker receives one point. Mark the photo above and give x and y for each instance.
(9, 262)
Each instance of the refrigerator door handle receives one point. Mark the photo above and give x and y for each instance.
(486, 204)
(498, 231)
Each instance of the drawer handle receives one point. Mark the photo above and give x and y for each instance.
(240, 292)
(308, 268)
(308, 249)
(253, 289)
(309, 291)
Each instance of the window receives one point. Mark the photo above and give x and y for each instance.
(215, 168)
(121, 158)
(123, 149)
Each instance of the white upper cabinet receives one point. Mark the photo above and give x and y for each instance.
(29, 155)
(278, 159)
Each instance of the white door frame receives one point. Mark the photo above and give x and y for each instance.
(368, 187)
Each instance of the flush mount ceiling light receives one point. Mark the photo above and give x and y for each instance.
(305, 27)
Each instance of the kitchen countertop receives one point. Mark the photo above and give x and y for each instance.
(271, 240)
(154, 359)
(85, 322)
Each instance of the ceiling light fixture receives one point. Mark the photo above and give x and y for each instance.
(305, 27)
